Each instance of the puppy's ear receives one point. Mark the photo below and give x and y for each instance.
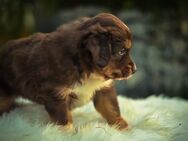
(98, 44)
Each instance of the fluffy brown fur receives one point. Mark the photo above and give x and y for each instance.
(66, 68)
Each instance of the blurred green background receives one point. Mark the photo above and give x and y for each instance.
(159, 28)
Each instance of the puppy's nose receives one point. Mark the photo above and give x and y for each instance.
(134, 68)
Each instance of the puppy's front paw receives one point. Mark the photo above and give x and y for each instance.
(66, 128)
(121, 124)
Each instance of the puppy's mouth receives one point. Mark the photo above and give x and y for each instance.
(118, 77)
(124, 78)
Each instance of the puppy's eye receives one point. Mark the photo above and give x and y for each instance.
(122, 52)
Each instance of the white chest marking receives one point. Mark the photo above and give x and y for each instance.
(88, 87)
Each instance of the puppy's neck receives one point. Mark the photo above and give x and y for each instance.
(87, 88)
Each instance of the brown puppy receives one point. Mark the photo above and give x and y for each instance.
(68, 67)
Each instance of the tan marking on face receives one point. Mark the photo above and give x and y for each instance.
(128, 44)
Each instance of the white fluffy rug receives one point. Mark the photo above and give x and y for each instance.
(151, 119)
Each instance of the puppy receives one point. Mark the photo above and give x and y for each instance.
(67, 68)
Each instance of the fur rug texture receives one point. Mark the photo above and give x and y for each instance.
(151, 119)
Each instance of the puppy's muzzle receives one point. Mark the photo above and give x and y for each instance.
(129, 69)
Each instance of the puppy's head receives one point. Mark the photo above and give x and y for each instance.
(108, 41)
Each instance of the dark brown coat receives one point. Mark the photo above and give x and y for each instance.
(77, 62)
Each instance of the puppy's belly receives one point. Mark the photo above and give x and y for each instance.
(86, 90)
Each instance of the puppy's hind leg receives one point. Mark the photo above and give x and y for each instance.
(6, 102)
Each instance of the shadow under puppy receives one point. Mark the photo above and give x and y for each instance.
(67, 68)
